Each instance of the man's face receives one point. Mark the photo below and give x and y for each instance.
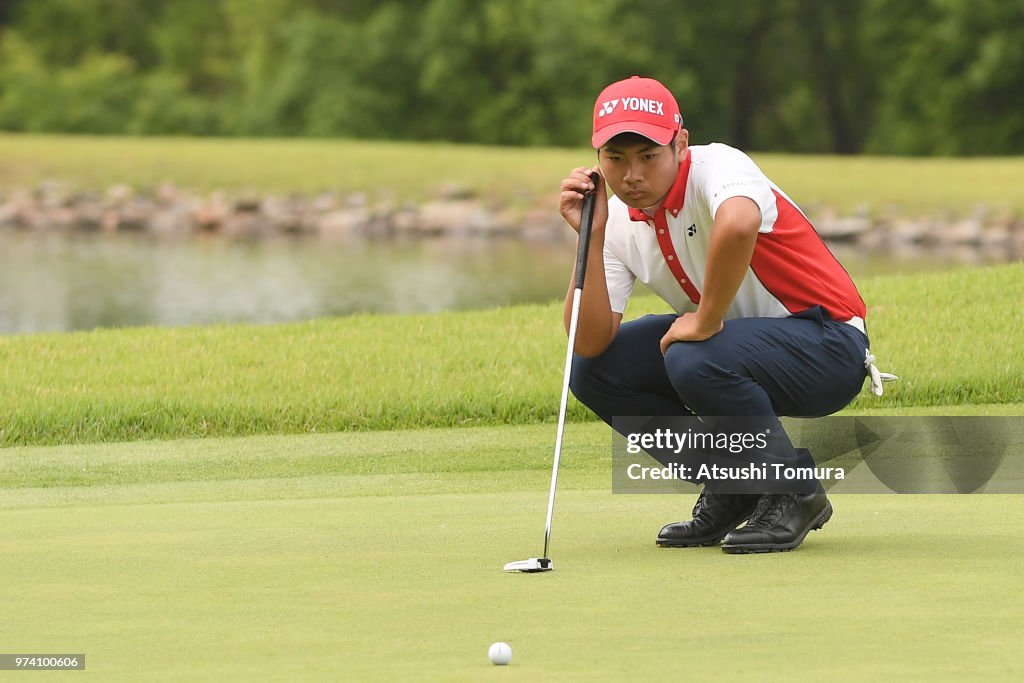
(641, 172)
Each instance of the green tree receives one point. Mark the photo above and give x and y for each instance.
(954, 84)
(63, 31)
(95, 96)
(892, 76)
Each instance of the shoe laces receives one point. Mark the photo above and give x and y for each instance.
(699, 505)
(770, 508)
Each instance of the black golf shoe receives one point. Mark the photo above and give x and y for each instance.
(779, 523)
(714, 515)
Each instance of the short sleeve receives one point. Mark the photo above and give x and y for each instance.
(619, 279)
(739, 176)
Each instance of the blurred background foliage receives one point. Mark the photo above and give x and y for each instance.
(915, 77)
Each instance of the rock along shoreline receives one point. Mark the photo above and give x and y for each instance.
(169, 212)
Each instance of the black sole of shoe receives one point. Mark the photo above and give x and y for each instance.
(819, 521)
(667, 543)
(701, 542)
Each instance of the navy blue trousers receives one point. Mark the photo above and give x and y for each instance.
(806, 365)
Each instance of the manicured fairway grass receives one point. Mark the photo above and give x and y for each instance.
(511, 175)
(376, 556)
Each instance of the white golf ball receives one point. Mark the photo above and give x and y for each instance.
(500, 653)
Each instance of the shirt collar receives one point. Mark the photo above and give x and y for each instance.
(674, 199)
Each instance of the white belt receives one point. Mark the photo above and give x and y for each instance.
(858, 323)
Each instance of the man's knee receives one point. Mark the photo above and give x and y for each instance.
(695, 370)
(689, 362)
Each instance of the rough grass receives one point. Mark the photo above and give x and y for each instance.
(952, 337)
(513, 175)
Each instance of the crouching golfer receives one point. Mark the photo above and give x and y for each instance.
(767, 322)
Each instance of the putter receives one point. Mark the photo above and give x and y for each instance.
(544, 564)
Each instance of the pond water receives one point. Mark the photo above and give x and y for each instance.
(59, 282)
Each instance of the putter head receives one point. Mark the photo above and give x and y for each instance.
(530, 566)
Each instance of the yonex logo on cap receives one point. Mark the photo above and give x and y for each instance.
(644, 105)
(607, 107)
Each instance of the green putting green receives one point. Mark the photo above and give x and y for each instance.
(377, 556)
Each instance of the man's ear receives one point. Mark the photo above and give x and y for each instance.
(682, 141)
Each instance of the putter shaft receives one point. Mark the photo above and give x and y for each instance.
(582, 249)
(573, 322)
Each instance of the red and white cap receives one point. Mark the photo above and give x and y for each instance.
(636, 105)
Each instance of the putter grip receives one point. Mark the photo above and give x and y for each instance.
(586, 221)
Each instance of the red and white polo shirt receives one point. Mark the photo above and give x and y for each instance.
(791, 269)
